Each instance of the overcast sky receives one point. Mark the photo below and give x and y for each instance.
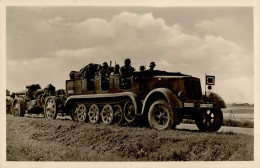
(45, 43)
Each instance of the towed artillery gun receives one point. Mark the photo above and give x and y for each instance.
(158, 98)
(32, 100)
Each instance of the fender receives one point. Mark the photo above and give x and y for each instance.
(131, 95)
(159, 93)
(215, 98)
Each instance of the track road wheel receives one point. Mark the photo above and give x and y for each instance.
(93, 114)
(81, 112)
(118, 115)
(18, 108)
(129, 111)
(50, 109)
(161, 116)
(209, 120)
(107, 114)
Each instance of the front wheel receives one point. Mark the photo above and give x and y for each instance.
(161, 116)
(209, 120)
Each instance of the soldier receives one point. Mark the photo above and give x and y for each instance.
(142, 68)
(116, 70)
(126, 72)
(152, 65)
(105, 74)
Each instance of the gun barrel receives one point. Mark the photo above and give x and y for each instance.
(20, 93)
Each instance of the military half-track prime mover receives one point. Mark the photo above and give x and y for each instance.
(159, 98)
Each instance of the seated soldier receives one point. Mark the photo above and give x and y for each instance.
(126, 72)
(116, 70)
(105, 74)
(152, 65)
(90, 75)
(142, 68)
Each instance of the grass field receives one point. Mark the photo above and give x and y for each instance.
(40, 139)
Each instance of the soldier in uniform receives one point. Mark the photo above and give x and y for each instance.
(105, 74)
(126, 72)
(152, 65)
(142, 68)
(116, 70)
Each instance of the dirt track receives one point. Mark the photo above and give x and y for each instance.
(239, 130)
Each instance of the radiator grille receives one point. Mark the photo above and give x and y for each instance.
(193, 89)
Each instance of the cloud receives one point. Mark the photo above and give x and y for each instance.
(140, 37)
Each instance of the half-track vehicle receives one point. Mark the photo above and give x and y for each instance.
(32, 100)
(158, 98)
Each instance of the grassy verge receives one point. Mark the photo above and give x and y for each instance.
(39, 139)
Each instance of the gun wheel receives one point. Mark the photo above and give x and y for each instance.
(81, 112)
(18, 108)
(160, 115)
(118, 114)
(129, 111)
(50, 109)
(93, 114)
(209, 120)
(107, 114)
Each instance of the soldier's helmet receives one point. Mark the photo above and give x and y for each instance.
(117, 66)
(127, 61)
(91, 65)
(152, 65)
(142, 68)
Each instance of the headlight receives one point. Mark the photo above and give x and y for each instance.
(181, 95)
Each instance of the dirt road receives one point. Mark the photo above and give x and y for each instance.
(240, 130)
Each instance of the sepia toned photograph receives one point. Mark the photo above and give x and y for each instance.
(122, 83)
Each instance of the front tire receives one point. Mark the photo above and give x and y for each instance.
(209, 120)
(161, 115)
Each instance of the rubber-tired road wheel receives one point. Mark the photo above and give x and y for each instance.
(81, 112)
(93, 114)
(129, 111)
(18, 108)
(107, 114)
(209, 120)
(50, 109)
(160, 115)
(118, 114)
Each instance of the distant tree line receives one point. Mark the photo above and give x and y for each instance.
(242, 104)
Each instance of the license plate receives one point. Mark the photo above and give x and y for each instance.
(188, 104)
(70, 91)
(206, 105)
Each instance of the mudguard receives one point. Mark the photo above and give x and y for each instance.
(216, 99)
(159, 93)
(131, 95)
